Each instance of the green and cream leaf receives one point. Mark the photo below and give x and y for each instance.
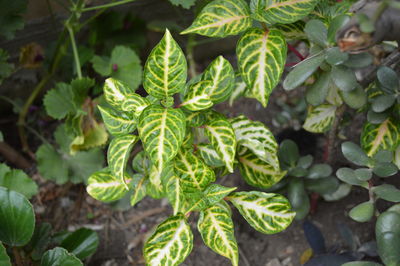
(103, 186)
(320, 118)
(239, 90)
(209, 155)
(118, 123)
(176, 195)
(139, 184)
(197, 96)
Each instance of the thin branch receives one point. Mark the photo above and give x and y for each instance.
(107, 5)
(14, 157)
(75, 51)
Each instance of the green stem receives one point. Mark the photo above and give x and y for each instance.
(107, 5)
(75, 51)
(190, 55)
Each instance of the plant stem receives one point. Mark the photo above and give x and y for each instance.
(333, 132)
(75, 51)
(190, 57)
(17, 257)
(107, 5)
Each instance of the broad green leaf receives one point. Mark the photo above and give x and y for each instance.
(344, 78)
(118, 154)
(388, 79)
(320, 118)
(363, 174)
(359, 60)
(382, 103)
(215, 193)
(302, 71)
(176, 195)
(139, 184)
(221, 18)
(387, 192)
(40, 240)
(298, 198)
(18, 181)
(59, 102)
(268, 213)
(317, 32)
(161, 131)
(387, 237)
(103, 186)
(385, 169)
(288, 153)
(261, 59)
(343, 190)
(170, 244)
(82, 243)
(356, 98)
(222, 138)
(335, 57)
(196, 119)
(17, 218)
(216, 228)
(325, 185)
(59, 256)
(165, 71)
(118, 123)
(258, 173)
(355, 154)
(194, 174)
(222, 76)
(197, 96)
(348, 176)
(317, 93)
(384, 136)
(281, 11)
(319, 171)
(362, 212)
(239, 90)
(4, 258)
(256, 137)
(209, 155)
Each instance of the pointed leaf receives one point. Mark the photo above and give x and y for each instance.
(103, 186)
(320, 118)
(118, 123)
(197, 96)
(215, 193)
(59, 256)
(139, 184)
(176, 195)
(261, 58)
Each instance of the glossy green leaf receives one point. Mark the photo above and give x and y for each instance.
(363, 174)
(18, 181)
(197, 96)
(59, 256)
(4, 258)
(342, 191)
(118, 123)
(320, 118)
(388, 78)
(356, 98)
(221, 18)
(355, 154)
(335, 57)
(209, 155)
(216, 228)
(165, 71)
(17, 218)
(382, 102)
(359, 60)
(40, 240)
(261, 59)
(298, 198)
(161, 131)
(387, 237)
(170, 244)
(103, 186)
(288, 153)
(362, 212)
(176, 195)
(387, 192)
(319, 170)
(268, 213)
(293, 31)
(325, 185)
(82, 243)
(139, 184)
(348, 176)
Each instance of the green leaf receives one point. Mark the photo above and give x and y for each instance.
(239, 90)
(139, 184)
(335, 57)
(184, 3)
(194, 174)
(82, 243)
(319, 171)
(222, 76)
(141, 163)
(317, 93)
(268, 213)
(361, 263)
(170, 244)
(11, 18)
(320, 118)
(281, 11)
(348, 176)
(197, 96)
(382, 103)
(336, 24)
(355, 154)
(293, 31)
(258, 138)
(40, 240)
(385, 169)
(165, 71)
(118, 155)
(362, 212)
(384, 136)
(17, 218)
(343, 191)
(4, 258)
(216, 228)
(388, 78)
(363, 174)
(359, 60)
(344, 78)
(103, 186)
(221, 18)
(302, 71)
(222, 138)
(356, 98)
(387, 237)
(209, 155)
(298, 198)
(387, 192)
(383, 156)
(326, 185)
(215, 193)
(161, 131)
(258, 173)
(118, 123)
(176, 195)
(18, 181)
(6, 69)
(59, 256)
(288, 153)
(261, 59)
(59, 102)
(317, 32)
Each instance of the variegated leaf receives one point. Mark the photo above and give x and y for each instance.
(258, 173)
(176, 195)
(396, 157)
(216, 228)
(320, 118)
(135, 103)
(141, 164)
(161, 131)
(118, 123)
(139, 184)
(158, 180)
(165, 71)
(188, 140)
(196, 119)
(194, 174)
(197, 96)
(384, 136)
(239, 90)
(215, 193)
(222, 138)
(268, 213)
(209, 155)
(170, 244)
(103, 186)
(199, 201)
(256, 137)
(220, 73)
(118, 154)
(293, 31)
(261, 59)
(221, 18)
(281, 11)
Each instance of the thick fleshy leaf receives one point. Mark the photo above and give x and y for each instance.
(176, 195)
(256, 137)
(209, 155)
(258, 173)
(344, 78)
(261, 58)
(268, 213)
(103, 186)
(320, 118)
(170, 244)
(298, 198)
(197, 96)
(216, 228)
(317, 32)
(118, 155)
(222, 76)
(59, 256)
(161, 131)
(387, 237)
(384, 136)
(82, 243)
(317, 93)
(355, 154)
(221, 18)
(118, 123)
(222, 138)
(139, 184)
(348, 176)
(362, 212)
(17, 218)
(4, 258)
(165, 71)
(194, 174)
(281, 11)
(387, 192)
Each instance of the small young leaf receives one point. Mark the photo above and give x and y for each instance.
(209, 155)
(362, 212)
(139, 184)
(388, 78)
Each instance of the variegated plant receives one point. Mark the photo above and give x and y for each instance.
(187, 146)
